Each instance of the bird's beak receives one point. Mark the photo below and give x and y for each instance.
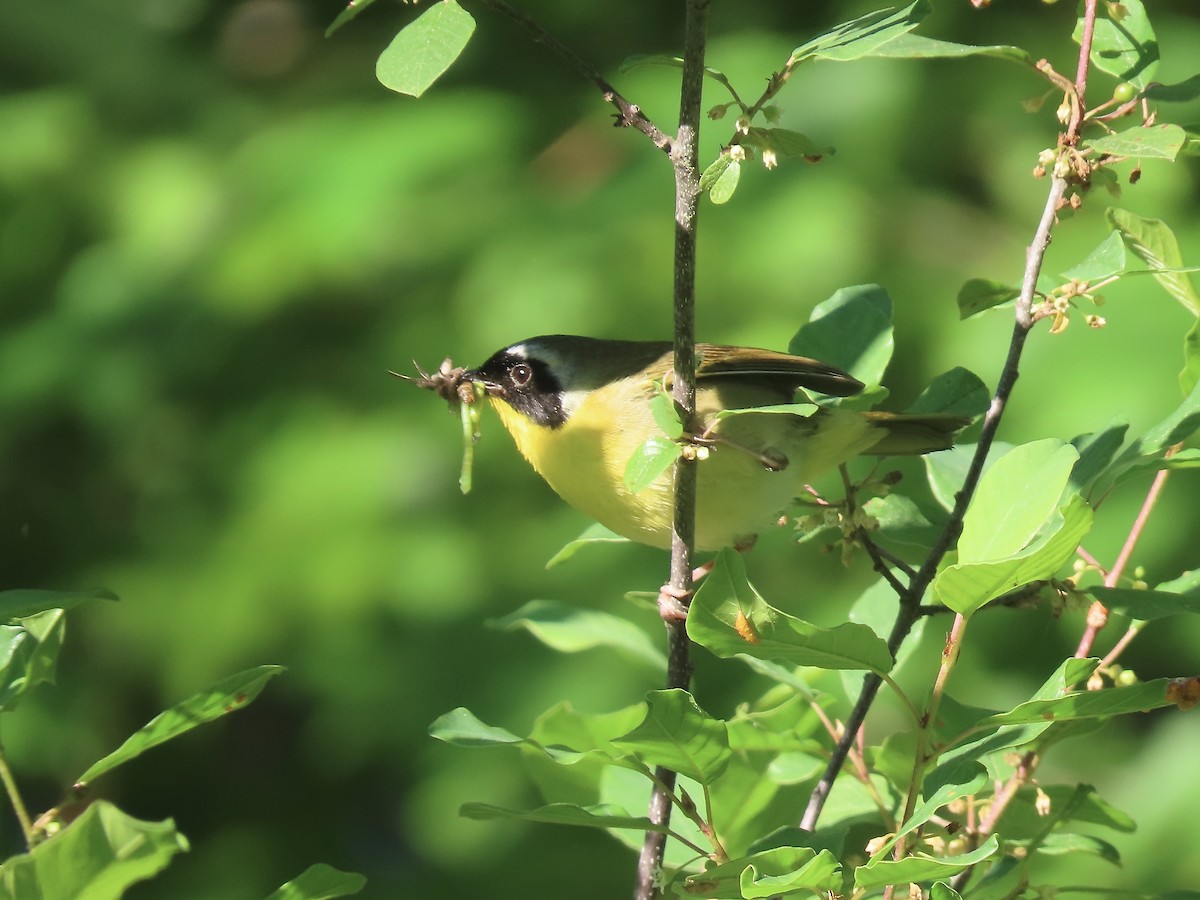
(492, 388)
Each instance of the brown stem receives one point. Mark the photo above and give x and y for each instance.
(684, 152)
(1098, 614)
(1081, 70)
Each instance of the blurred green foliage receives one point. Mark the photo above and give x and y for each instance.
(217, 234)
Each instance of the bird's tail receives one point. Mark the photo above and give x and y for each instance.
(910, 434)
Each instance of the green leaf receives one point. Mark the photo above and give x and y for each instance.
(916, 46)
(662, 407)
(320, 882)
(768, 873)
(1112, 701)
(981, 294)
(425, 48)
(862, 36)
(1060, 843)
(1015, 498)
(943, 891)
(1154, 242)
(851, 330)
(959, 392)
(1126, 49)
(597, 816)
(1146, 605)
(899, 519)
(1106, 260)
(721, 178)
(17, 604)
(226, 696)
(945, 784)
(781, 142)
(1096, 453)
(948, 469)
(572, 629)
(1143, 142)
(351, 11)
(1147, 451)
(97, 857)
(965, 587)
(678, 734)
(1190, 374)
(593, 534)
(28, 654)
(462, 728)
(1180, 92)
(649, 461)
(958, 721)
(728, 617)
(921, 867)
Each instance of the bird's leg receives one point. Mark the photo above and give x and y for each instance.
(673, 603)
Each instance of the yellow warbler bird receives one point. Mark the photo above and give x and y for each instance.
(579, 408)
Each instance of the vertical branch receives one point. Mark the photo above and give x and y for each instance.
(910, 602)
(685, 158)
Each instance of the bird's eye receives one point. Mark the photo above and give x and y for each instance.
(521, 374)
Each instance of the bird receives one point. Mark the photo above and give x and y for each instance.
(578, 408)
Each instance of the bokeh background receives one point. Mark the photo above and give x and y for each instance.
(218, 233)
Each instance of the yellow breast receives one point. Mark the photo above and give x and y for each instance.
(584, 462)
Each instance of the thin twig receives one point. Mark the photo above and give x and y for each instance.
(1098, 614)
(14, 796)
(629, 115)
(910, 602)
(684, 152)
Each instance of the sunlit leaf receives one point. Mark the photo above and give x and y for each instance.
(965, 587)
(1126, 49)
(917, 46)
(851, 330)
(1106, 260)
(678, 734)
(222, 698)
(862, 36)
(769, 873)
(649, 461)
(1147, 451)
(320, 882)
(593, 534)
(1154, 242)
(29, 654)
(1143, 142)
(425, 48)
(721, 178)
(1112, 701)
(1015, 499)
(97, 856)
(572, 629)
(728, 618)
(921, 866)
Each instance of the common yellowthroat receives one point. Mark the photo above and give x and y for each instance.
(579, 408)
